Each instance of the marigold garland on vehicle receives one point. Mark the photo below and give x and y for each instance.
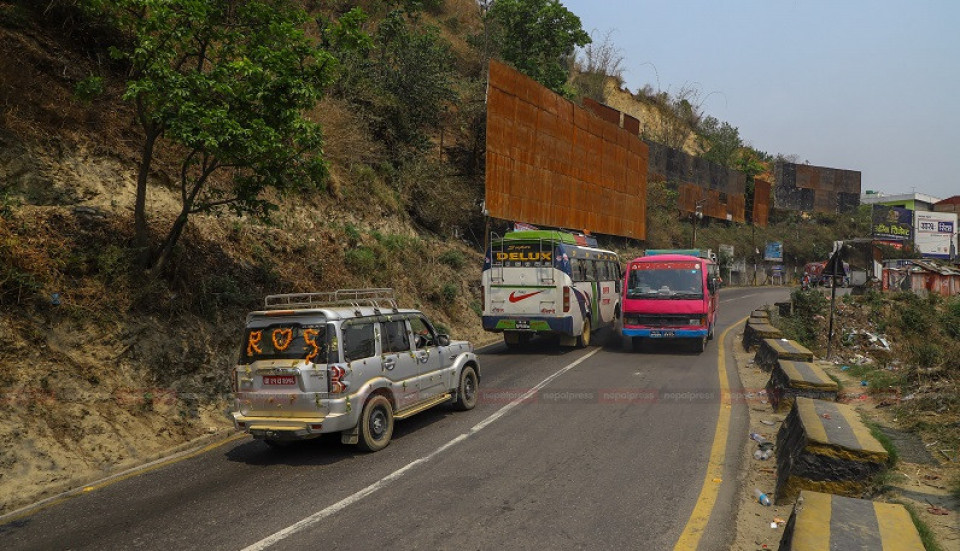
(286, 334)
(309, 337)
(253, 343)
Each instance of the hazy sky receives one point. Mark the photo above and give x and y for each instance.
(861, 85)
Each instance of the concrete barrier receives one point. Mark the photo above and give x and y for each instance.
(760, 313)
(824, 522)
(754, 332)
(823, 446)
(770, 351)
(790, 379)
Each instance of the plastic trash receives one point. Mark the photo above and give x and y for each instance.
(762, 498)
(763, 455)
(757, 437)
(764, 446)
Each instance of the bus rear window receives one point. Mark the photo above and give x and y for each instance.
(286, 341)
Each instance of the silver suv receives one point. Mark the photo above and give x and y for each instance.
(347, 361)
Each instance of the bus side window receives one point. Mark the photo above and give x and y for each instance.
(591, 274)
(603, 271)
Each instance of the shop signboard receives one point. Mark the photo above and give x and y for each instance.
(892, 223)
(934, 233)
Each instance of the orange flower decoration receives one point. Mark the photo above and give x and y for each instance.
(253, 342)
(282, 338)
(310, 337)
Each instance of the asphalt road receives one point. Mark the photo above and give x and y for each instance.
(610, 452)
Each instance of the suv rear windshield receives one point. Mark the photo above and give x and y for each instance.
(286, 341)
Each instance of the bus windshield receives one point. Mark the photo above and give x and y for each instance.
(665, 280)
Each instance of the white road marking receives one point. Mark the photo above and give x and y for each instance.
(395, 475)
(740, 298)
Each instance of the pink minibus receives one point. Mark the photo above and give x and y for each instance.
(670, 296)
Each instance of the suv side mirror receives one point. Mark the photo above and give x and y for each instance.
(443, 340)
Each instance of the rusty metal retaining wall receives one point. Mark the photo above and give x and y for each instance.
(553, 163)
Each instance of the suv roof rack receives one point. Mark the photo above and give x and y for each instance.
(373, 297)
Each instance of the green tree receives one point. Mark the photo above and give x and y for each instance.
(401, 79)
(538, 37)
(227, 82)
(720, 141)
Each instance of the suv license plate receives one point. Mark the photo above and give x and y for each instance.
(279, 380)
(522, 324)
(661, 334)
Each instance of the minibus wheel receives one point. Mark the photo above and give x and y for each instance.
(584, 339)
(701, 344)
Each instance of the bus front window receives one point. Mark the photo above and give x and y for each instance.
(653, 281)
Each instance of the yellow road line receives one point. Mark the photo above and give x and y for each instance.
(30, 510)
(693, 531)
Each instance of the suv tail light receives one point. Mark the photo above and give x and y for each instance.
(335, 383)
(566, 299)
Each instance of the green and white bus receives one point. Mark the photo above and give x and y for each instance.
(549, 282)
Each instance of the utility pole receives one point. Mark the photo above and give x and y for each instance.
(698, 215)
(835, 268)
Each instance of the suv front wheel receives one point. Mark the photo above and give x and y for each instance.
(467, 391)
(376, 424)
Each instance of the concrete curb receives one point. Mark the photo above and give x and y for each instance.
(770, 351)
(824, 446)
(790, 379)
(821, 522)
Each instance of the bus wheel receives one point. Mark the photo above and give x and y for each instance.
(584, 339)
(511, 339)
(700, 344)
(710, 334)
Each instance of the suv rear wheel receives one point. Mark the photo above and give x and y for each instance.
(376, 424)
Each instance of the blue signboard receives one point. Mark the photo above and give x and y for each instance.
(774, 251)
(892, 223)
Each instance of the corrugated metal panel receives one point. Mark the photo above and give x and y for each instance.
(553, 163)
(761, 202)
(631, 124)
(816, 188)
(605, 112)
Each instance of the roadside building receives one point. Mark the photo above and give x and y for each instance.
(910, 201)
(931, 277)
(921, 277)
(932, 222)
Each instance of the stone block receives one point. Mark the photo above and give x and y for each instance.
(825, 447)
(790, 379)
(823, 522)
(770, 351)
(754, 332)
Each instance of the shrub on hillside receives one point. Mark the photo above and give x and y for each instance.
(453, 258)
(951, 318)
